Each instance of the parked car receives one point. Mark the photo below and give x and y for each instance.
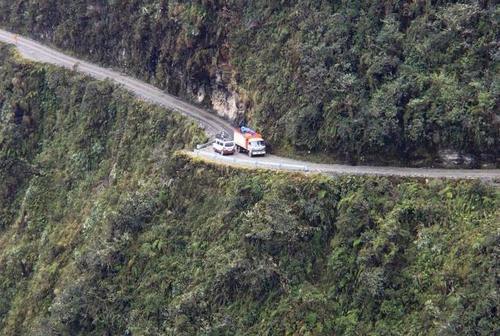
(223, 144)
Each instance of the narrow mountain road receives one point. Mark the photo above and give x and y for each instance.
(37, 52)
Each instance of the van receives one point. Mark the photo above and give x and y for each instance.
(223, 145)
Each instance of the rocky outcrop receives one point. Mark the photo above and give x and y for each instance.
(453, 159)
(218, 98)
(226, 104)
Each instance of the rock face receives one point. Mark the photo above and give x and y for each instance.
(226, 104)
(453, 159)
(200, 95)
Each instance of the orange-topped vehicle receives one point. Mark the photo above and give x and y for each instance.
(249, 141)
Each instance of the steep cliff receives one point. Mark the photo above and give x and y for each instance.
(106, 230)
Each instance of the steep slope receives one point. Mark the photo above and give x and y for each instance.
(212, 124)
(377, 81)
(105, 230)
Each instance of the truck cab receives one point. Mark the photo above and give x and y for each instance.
(249, 141)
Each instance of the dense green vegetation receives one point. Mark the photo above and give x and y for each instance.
(106, 230)
(356, 80)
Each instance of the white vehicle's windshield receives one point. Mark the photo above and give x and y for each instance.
(229, 144)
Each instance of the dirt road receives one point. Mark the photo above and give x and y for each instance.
(37, 52)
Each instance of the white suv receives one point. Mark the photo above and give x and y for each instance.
(223, 145)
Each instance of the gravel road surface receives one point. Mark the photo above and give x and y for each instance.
(213, 124)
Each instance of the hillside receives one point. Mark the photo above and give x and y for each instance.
(106, 230)
(408, 82)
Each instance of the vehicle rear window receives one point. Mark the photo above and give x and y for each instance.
(229, 144)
